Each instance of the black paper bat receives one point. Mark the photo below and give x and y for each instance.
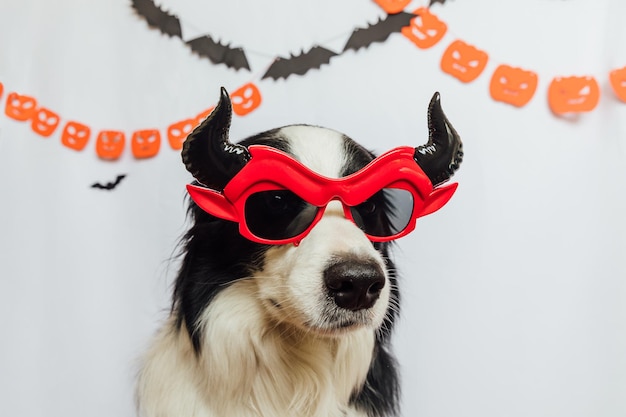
(436, 1)
(203, 46)
(379, 31)
(109, 185)
(300, 64)
(157, 17)
(218, 53)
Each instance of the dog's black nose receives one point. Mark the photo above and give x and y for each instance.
(354, 285)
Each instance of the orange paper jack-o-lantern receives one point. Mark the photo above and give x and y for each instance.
(75, 135)
(110, 144)
(618, 82)
(463, 61)
(425, 29)
(20, 107)
(393, 6)
(513, 85)
(177, 132)
(146, 143)
(44, 121)
(573, 94)
(1, 89)
(245, 99)
(203, 115)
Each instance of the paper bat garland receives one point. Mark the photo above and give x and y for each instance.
(378, 32)
(218, 53)
(300, 64)
(204, 46)
(157, 17)
(235, 57)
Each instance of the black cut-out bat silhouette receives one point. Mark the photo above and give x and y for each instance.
(436, 1)
(300, 64)
(109, 185)
(379, 31)
(218, 53)
(157, 17)
(203, 46)
(236, 58)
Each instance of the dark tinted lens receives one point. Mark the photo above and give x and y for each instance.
(278, 214)
(386, 213)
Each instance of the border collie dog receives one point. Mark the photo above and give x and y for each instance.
(265, 324)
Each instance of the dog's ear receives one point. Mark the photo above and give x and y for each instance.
(437, 199)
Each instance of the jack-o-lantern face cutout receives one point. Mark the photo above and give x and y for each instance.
(44, 121)
(393, 6)
(75, 135)
(513, 85)
(425, 29)
(177, 132)
(463, 61)
(573, 94)
(618, 82)
(20, 107)
(245, 99)
(1, 89)
(146, 143)
(110, 144)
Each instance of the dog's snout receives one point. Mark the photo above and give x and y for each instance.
(354, 285)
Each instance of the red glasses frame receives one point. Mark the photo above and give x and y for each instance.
(270, 169)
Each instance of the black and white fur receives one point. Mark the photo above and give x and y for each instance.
(253, 330)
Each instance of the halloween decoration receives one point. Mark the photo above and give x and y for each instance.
(412, 175)
(463, 61)
(109, 185)
(145, 143)
(20, 107)
(300, 64)
(512, 85)
(110, 144)
(177, 132)
(236, 57)
(205, 46)
(245, 99)
(203, 115)
(393, 6)
(44, 121)
(378, 32)
(573, 94)
(156, 17)
(425, 29)
(75, 135)
(618, 83)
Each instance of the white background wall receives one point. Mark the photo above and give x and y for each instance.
(513, 295)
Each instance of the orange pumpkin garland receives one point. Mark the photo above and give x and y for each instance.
(463, 61)
(573, 94)
(512, 85)
(75, 135)
(618, 82)
(425, 29)
(145, 143)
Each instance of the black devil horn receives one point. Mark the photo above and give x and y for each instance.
(443, 154)
(207, 153)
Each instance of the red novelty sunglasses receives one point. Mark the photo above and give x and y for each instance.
(277, 200)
